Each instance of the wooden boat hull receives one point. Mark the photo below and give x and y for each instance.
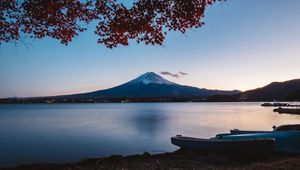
(226, 146)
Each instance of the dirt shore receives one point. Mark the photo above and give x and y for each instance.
(178, 160)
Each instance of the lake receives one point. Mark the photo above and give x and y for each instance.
(71, 132)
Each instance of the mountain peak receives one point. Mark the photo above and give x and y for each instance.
(150, 78)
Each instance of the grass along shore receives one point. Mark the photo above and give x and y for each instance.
(180, 159)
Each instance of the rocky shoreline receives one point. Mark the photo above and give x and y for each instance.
(178, 160)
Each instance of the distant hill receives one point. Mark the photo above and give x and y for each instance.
(280, 91)
(295, 96)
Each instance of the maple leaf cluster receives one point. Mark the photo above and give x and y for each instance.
(146, 21)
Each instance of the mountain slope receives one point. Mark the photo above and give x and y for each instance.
(288, 90)
(151, 85)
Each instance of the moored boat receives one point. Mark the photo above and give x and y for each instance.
(262, 145)
(267, 104)
(280, 104)
(285, 139)
(287, 127)
(287, 110)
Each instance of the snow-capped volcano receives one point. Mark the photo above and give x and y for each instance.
(151, 78)
(149, 86)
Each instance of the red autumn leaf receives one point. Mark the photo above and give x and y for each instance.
(145, 21)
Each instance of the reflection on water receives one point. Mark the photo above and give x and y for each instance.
(148, 122)
(70, 132)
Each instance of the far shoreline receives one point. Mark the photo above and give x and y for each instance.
(142, 102)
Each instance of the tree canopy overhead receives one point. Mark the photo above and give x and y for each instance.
(145, 21)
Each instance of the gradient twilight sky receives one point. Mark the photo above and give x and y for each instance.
(243, 45)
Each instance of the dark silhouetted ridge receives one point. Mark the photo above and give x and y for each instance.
(287, 90)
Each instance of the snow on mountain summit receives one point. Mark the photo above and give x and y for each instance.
(151, 78)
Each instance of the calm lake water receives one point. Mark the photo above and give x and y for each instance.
(71, 132)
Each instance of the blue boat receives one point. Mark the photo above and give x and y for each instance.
(284, 139)
(262, 145)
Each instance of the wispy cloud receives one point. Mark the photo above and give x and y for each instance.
(183, 73)
(175, 75)
(169, 74)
